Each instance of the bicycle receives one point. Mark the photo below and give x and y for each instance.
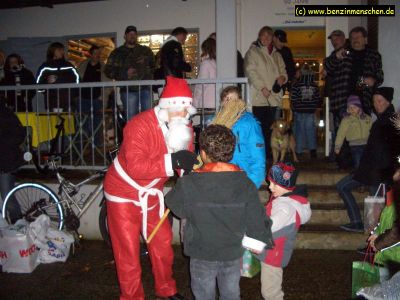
(63, 209)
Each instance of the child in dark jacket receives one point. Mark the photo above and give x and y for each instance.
(288, 208)
(220, 205)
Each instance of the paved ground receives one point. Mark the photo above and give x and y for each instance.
(90, 274)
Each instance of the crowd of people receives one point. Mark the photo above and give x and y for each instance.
(216, 193)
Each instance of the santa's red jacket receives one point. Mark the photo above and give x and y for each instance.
(144, 157)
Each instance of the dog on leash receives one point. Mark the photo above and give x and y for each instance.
(282, 141)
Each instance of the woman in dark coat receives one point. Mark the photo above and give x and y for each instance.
(16, 74)
(56, 70)
(379, 159)
(12, 135)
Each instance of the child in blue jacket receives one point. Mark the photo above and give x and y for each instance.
(249, 152)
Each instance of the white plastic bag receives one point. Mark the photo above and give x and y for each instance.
(57, 246)
(18, 252)
(54, 244)
(373, 206)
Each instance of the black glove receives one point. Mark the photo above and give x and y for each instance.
(276, 88)
(183, 159)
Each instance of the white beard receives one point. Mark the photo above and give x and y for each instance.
(179, 134)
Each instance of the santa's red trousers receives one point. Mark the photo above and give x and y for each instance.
(124, 224)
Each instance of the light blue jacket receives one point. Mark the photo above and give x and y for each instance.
(249, 152)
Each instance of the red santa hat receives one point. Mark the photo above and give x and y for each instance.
(177, 95)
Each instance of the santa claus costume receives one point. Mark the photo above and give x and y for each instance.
(133, 188)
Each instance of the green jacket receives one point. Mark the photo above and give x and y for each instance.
(141, 58)
(354, 129)
(220, 204)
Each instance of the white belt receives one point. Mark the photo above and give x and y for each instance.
(143, 192)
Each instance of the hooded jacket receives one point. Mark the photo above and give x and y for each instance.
(305, 94)
(220, 204)
(287, 213)
(354, 129)
(263, 69)
(249, 152)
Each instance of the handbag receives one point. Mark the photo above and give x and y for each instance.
(250, 264)
(373, 206)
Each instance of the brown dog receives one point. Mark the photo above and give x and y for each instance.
(282, 141)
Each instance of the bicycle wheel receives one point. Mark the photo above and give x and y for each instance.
(103, 224)
(30, 200)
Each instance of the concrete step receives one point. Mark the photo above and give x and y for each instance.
(320, 194)
(322, 177)
(329, 216)
(328, 237)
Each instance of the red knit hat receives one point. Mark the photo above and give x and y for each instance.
(176, 94)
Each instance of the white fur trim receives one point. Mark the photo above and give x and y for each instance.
(175, 102)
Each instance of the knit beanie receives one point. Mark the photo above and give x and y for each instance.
(284, 175)
(354, 100)
(385, 92)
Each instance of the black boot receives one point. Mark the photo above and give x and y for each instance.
(176, 297)
(313, 153)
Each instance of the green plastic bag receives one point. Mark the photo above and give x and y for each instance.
(387, 218)
(364, 274)
(250, 265)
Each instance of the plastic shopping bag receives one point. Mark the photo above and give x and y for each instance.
(364, 274)
(373, 206)
(392, 253)
(57, 246)
(18, 252)
(250, 265)
(54, 244)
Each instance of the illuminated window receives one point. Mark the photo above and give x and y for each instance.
(190, 49)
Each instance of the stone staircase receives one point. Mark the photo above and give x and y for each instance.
(328, 210)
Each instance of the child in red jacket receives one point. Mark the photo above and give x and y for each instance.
(288, 208)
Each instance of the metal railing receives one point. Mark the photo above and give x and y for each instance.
(84, 121)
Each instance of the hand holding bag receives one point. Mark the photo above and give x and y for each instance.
(364, 274)
(250, 265)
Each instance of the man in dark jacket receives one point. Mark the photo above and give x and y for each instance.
(172, 60)
(279, 41)
(12, 134)
(132, 61)
(220, 205)
(378, 162)
(354, 71)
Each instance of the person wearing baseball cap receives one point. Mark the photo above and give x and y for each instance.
(279, 40)
(130, 28)
(132, 61)
(337, 38)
